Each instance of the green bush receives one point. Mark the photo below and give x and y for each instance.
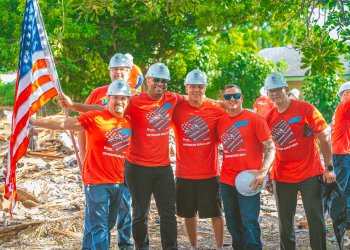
(322, 92)
(7, 93)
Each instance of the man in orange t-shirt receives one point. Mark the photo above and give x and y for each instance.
(136, 77)
(119, 68)
(147, 164)
(197, 166)
(108, 136)
(296, 126)
(341, 145)
(263, 104)
(245, 137)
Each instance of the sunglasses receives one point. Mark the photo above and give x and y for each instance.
(235, 96)
(164, 81)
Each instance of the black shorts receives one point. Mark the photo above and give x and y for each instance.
(200, 196)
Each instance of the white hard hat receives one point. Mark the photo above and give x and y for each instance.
(262, 91)
(119, 60)
(158, 70)
(243, 181)
(119, 87)
(274, 81)
(295, 92)
(343, 87)
(129, 56)
(196, 77)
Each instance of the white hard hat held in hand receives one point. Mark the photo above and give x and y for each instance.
(158, 70)
(243, 181)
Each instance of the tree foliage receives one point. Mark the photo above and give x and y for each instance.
(322, 92)
(217, 36)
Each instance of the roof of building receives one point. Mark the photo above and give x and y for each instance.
(293, 58)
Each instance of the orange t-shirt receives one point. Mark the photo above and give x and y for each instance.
(196, 140)
(297, 151)
(242, 137)
(134, 77)
(98, 96)
(151, 122)
(263, 105)
(341, 129)
(108, 138)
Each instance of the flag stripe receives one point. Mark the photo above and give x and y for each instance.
(35, 85)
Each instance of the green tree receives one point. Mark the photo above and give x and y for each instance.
(184, 34)
(322, 92)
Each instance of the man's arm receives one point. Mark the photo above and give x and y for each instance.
(269, 156)
(67, 103)
(326, 149)
(58, 123)
(82, 144)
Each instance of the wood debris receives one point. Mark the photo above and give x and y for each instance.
(50, 209)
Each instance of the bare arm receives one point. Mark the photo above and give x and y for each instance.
(269, 156)
(58, 123)
(326, 149)
(82, 144)
(67, 103)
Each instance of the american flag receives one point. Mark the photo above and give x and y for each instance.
(35, 85)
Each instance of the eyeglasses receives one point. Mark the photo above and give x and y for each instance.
(235, 96)
(275, 91)
(164, 81)
(198, 86)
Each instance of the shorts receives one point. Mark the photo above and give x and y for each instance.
(200, 196)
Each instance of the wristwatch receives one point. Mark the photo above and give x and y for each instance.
(330, 168)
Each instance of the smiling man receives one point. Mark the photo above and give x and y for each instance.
(108, 135)
(296, 128)
(197, 167)
(245, 137)
(147, 168)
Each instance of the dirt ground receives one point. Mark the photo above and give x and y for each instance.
(50, 210)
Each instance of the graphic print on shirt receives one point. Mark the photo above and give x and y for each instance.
(159, 118)
(232, 139)
(195, 128)
(118, 138)
(282, 133)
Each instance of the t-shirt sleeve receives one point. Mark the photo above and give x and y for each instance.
(262, 130)
(87, 120)
(91, 98)
(179, 98)
(346, 110)
(315, 120)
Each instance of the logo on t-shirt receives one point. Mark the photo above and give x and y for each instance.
(195, 128)
(118, 138)
(282, 133)
(232, 139)
(159, 118)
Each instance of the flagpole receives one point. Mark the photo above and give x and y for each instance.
(53, 73)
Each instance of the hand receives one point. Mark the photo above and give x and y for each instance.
(269, 185)
(65, 102)
(259, 178)
(32, 121)
(329, 176)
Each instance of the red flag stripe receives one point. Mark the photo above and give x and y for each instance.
(42, 100)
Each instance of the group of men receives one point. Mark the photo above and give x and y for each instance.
(285, 138)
